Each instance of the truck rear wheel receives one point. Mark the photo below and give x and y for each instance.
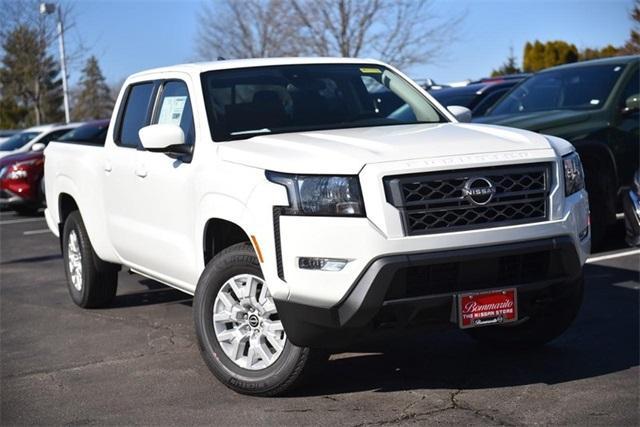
(88, 286)
(240, 335)
(546, 324)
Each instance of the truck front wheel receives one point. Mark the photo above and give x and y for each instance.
(545, 324)
(240, 335)
(88, 286)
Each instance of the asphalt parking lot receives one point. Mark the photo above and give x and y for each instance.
(137, 362)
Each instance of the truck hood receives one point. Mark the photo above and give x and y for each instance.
(346, 151)
(539, 120)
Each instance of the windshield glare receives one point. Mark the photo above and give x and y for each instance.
(17, 141)
(575, 88)
(243, 103)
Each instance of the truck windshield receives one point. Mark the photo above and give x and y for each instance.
(17, 141)
(571, 88)
(242, 103)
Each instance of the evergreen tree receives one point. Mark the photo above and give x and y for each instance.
(29, 80)
(533, 58)
(605, 52)
(538, 56)
(632, 46)
(11, 115)
(94, 99)
(509, 67)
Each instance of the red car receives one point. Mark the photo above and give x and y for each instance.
(21, 181)
(21, 175)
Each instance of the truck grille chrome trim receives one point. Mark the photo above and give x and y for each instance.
(437, 202)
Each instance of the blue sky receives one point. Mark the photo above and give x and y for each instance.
(129, 36)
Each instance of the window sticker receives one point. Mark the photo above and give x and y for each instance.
(370, 70)
(171, 110)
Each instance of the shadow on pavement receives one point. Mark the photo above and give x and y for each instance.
(603, 340)
(156, 293)
(615, 239)
(32, 259)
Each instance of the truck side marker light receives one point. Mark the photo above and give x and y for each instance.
(257, 248)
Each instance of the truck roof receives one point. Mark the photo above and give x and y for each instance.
(223, 64)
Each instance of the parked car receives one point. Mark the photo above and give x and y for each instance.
(90, 133)
(22, 174)
(304, 219)
(596, 106)
(631, 203)
(23, 141)
(6, 133)
(21, 182)
(477, 96)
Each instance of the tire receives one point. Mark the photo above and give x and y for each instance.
(89, 286)
(237, 267)
(546, 324)
(599, 184)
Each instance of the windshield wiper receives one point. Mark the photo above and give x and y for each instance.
(250, 132)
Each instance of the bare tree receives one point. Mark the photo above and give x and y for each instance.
(402, 32)
(246, 29)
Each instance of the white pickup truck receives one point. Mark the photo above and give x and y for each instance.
(310, 203)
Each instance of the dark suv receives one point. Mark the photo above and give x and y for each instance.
(478, 96)
(596, 106)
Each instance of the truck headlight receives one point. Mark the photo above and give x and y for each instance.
(573, 174)
(321, 195)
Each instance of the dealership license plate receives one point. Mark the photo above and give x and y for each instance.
(487, 308)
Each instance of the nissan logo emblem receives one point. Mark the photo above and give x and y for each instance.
(478, 191)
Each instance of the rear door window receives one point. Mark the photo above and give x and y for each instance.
(135, 115)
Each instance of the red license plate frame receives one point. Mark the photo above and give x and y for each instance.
(494, 307)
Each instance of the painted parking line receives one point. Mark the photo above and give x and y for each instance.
(614, 255)
(20, 221)
(32, 232)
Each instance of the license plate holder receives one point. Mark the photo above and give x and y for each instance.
(496, 307)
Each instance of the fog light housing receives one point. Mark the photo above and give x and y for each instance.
(322, 264)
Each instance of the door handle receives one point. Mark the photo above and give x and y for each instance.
(141, 172)
(107, 167)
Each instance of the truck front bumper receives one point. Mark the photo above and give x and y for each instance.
(411, 289)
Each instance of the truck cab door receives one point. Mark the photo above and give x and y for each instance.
(121, 156)
(164, 193)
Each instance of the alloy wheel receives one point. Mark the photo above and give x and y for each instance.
(246, 323)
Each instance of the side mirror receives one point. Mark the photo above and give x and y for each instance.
(462, 114)
(164, 138)
(631, 104)
(38, 146)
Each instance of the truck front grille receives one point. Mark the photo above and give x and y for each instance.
(437, 202)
